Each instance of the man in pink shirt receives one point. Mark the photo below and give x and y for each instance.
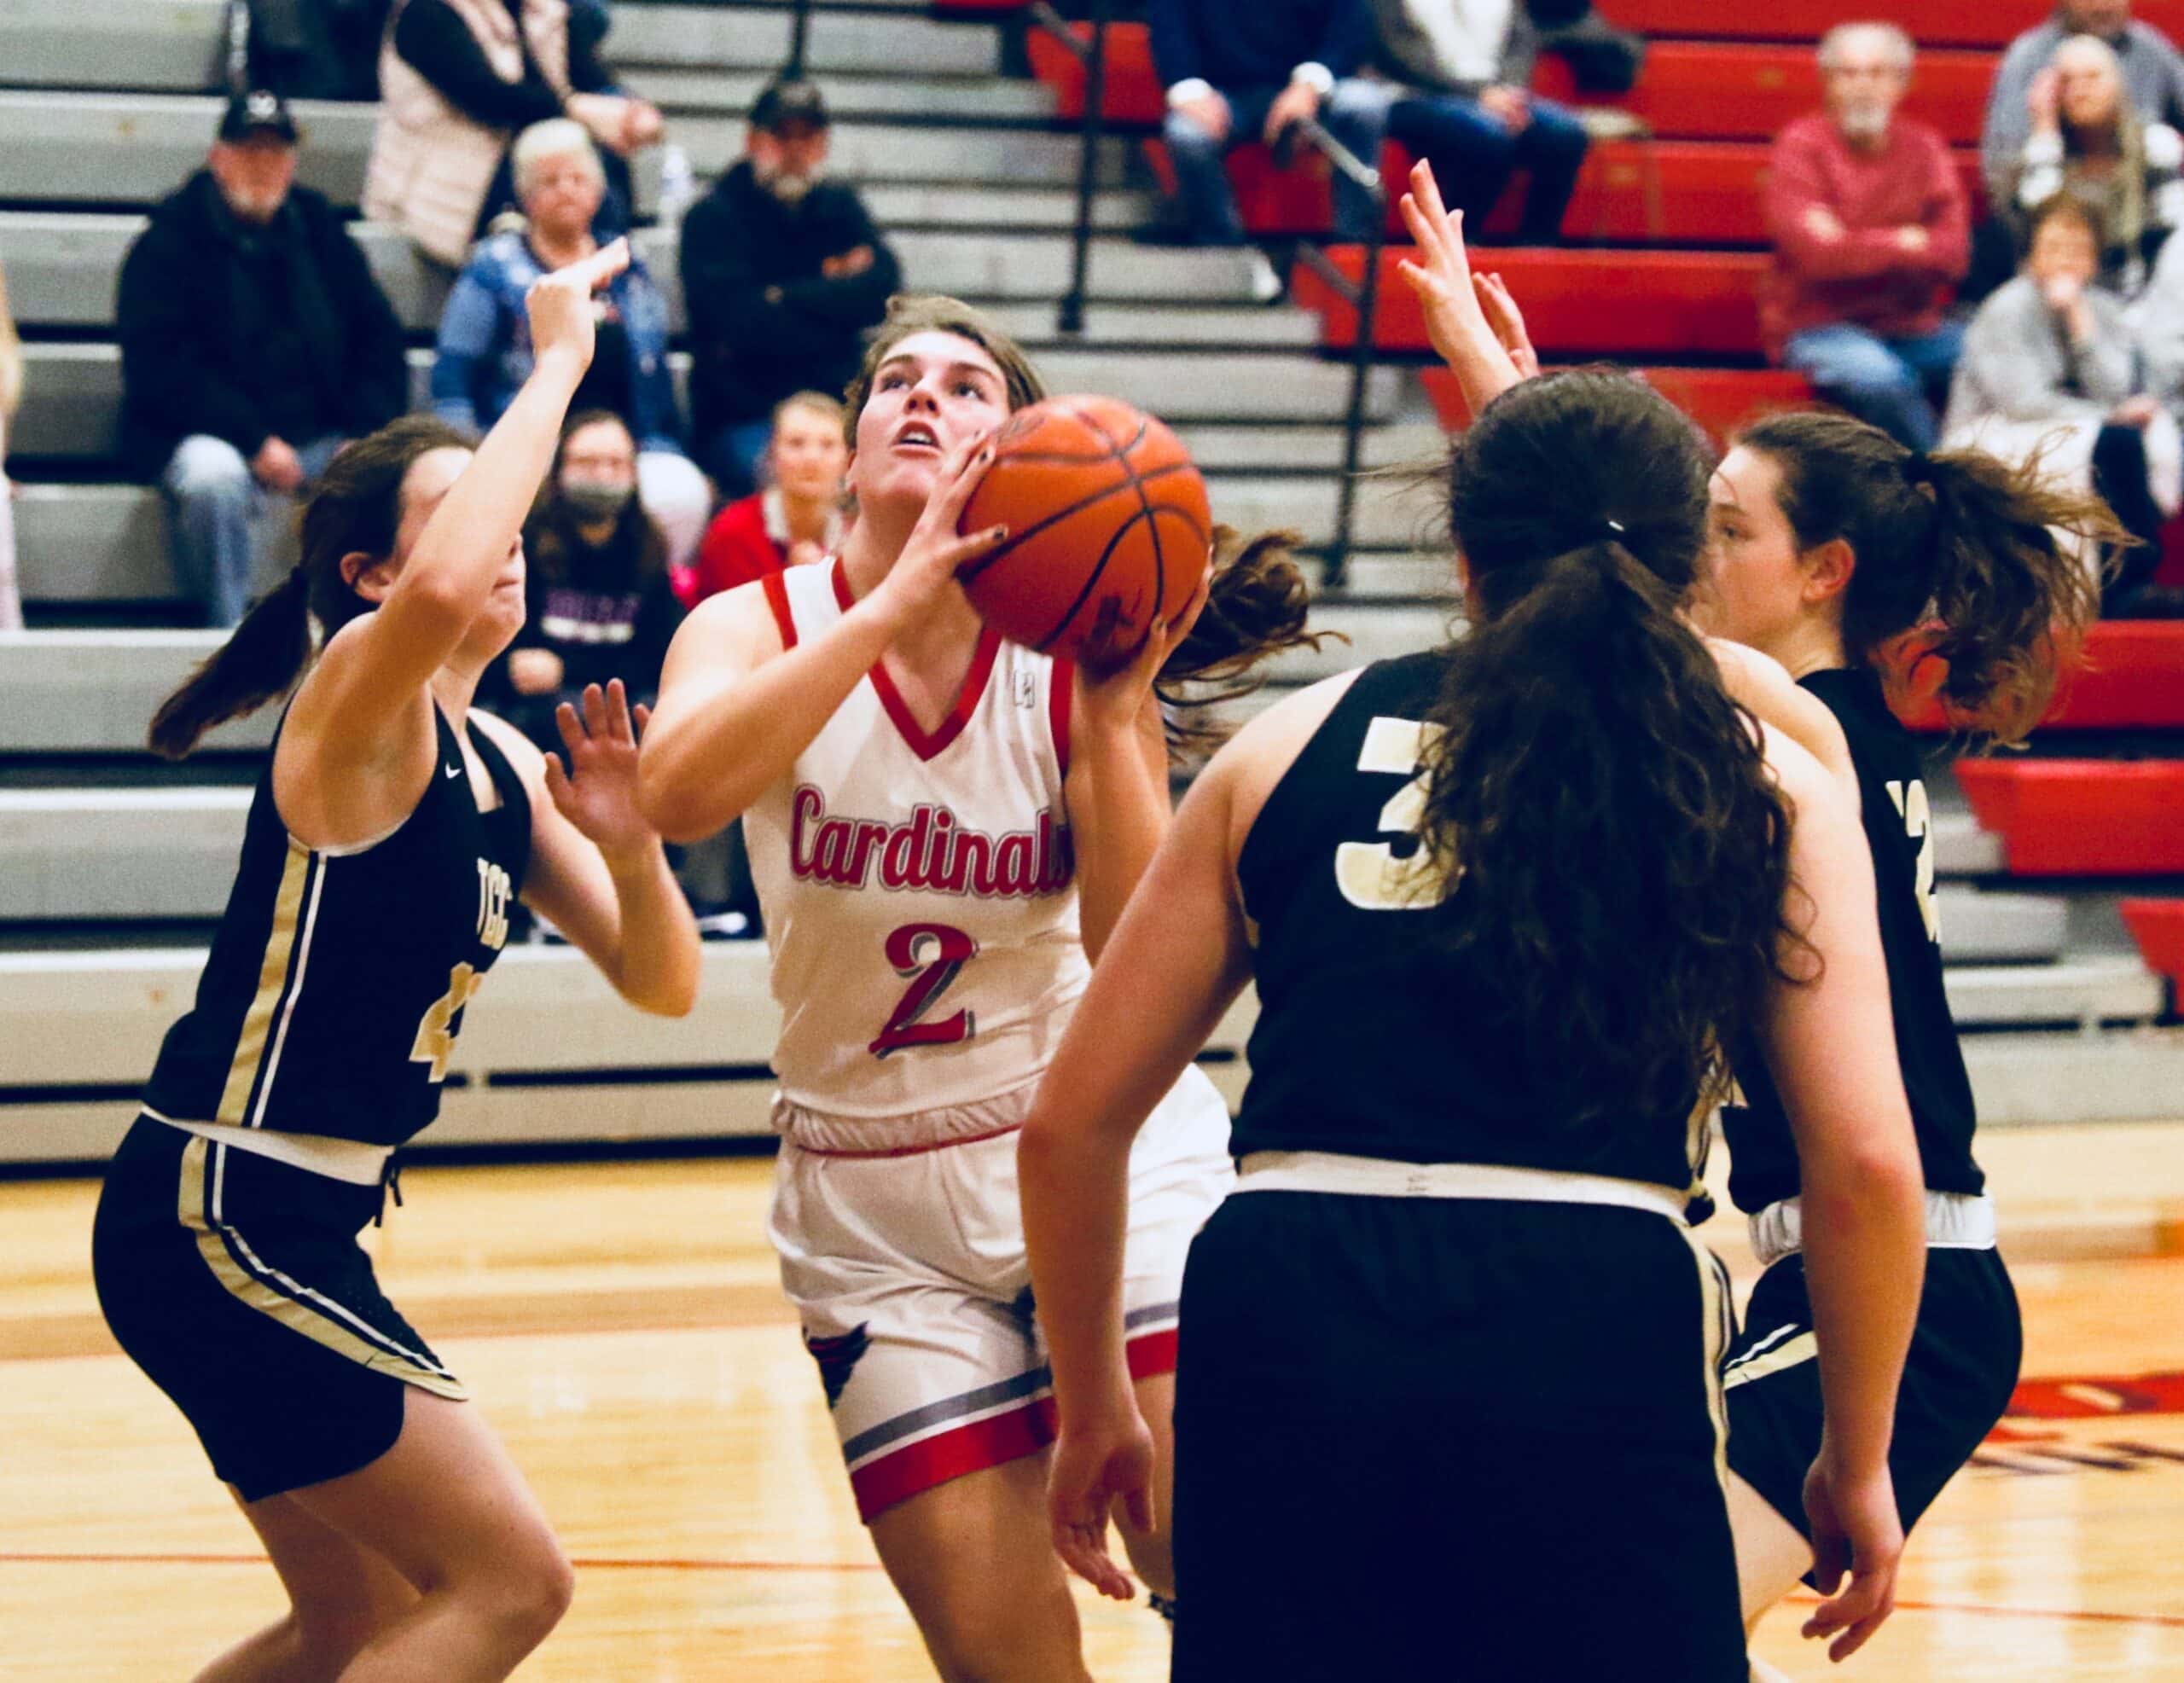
(1870, 229)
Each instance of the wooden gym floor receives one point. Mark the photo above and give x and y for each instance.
(621, 1325)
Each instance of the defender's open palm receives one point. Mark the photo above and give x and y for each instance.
(598, 792)
(1093, 1467)
(1440, 276)
(563, 322)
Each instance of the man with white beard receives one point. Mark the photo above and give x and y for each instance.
(1870, 227)
(783, 272)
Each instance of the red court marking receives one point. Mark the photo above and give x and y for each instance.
(2082, 1399)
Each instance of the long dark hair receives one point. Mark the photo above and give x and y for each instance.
(1620, 852)
(1961, 547)
(1260, 599)
(356, 506)
(553, 538)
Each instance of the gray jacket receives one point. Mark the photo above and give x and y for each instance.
(1407, 52)
(2019, 365)
(2153, 76)
(2161, 327)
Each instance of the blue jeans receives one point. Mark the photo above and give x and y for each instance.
(1474, 153)
(1353, 114)
(1893, 383)
(213, 502)
(735, 455)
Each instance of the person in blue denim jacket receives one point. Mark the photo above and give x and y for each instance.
(483, 352)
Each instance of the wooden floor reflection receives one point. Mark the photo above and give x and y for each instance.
(621, 1325)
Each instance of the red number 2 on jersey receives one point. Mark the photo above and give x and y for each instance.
(929, 954)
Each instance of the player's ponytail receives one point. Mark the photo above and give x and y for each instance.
(1993, 565)
(355, 508)
(1619, 850)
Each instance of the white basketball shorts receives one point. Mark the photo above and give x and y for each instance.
(901, 1245)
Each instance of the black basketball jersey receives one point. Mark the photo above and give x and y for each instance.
(336, 984)
(1898, 823)
(1374, 1039)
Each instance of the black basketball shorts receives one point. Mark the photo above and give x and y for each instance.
(1957, 1381)
(237, 1285)
(1434, 1438)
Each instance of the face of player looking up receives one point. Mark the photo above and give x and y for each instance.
(934, 391)
(1757, 588)
(426, 481)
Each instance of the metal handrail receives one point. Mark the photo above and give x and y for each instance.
(800, 27)
(1364, 296)
(1069, 315)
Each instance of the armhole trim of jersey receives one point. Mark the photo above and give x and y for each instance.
(1061, 685)
(776, 589)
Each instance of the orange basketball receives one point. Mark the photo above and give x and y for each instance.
(1108, 529)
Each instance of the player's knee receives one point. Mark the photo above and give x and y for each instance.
(974, 1641)
(526, 1594)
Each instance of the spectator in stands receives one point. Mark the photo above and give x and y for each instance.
(11, 392)
(2086, 140)
(254, 342)
(458, 80)
(2153, 72)
(2050, 367)
(597, 604)
(795, 519)
(484, 355)
(1245, 70)
(1466, 107)
(783, 272)
(1868, 221)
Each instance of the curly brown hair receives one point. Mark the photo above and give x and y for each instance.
(1621, 847)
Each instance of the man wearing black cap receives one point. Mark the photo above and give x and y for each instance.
(782, 271)
(254, 342)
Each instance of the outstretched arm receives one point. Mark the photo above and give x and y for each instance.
(1175, 962)
(597, 869)
(1455, 318)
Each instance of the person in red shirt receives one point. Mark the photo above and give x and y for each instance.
(796, 519)
(1870, 231)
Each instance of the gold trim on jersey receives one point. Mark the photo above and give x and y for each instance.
(272, 979)
(1714, 1297)
(256, 1284)
(1788, 1354)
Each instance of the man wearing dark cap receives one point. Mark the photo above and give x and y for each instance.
(783, 272)
(254, 342)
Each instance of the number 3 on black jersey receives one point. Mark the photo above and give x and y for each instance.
(1918, 817)
(1368, 874)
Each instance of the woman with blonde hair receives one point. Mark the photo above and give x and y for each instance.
(2088, 140)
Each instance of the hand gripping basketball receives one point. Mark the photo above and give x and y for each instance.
(925, 571)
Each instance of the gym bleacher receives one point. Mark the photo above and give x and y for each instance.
(2063, 869)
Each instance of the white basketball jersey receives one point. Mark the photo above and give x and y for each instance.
(919, 889)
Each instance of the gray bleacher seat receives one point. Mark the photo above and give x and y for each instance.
(172, 45)
(77, 390)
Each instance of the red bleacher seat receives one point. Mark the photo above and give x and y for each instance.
(2132, 678)
(2158, 926)
(1578, 303)
(2080, 817)
(1719, 399)
(1718, 91)
(1932, 23)
(1133, 92)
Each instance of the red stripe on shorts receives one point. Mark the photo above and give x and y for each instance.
(913, 1151)
(994, 1442)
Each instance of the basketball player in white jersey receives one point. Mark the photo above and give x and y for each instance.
(941, 826)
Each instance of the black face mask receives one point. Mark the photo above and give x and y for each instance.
(595, 501)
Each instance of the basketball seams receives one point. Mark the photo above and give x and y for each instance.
(974, 569)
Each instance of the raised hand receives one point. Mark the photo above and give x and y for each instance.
(1107, 1461)
(924, 574)
(598, 792)
(1499, 306)
(1441, 277)
(563, 322)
